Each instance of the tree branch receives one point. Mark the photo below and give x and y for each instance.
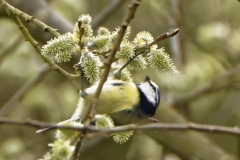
(153, 126)
(76, 152)
(129, 16)
(29, 18)
(160, 38)
(117, 73)
(36, 46)
(163, 36)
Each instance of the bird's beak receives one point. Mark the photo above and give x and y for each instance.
(147, 79)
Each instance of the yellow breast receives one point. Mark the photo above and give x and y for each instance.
(117, 98)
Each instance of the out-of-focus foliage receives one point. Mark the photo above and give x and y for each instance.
(209, 41)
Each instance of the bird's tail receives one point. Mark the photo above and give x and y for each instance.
(50, 128)
(44, 129)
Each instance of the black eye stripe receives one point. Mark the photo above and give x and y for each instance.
(117, 84)
(153, 87)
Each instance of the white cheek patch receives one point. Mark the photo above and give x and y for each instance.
(148, 92)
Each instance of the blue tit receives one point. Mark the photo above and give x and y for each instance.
(124, 102)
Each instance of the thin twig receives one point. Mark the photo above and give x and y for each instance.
(107, 68)
(117, 74)
(108, 62)
(78, 143)
(29, 18)
(17, 13)
(79, 138)
(163, 36)
(153, 126)
(22, 91)
(160, 38)
(36, 46)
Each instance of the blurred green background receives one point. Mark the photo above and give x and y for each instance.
(206, 51)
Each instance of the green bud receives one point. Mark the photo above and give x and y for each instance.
(126, 75)
(91, 64)
(103, 31)
(60, 48)
(138, 63)
(160, 60)
(122, 137)
(126, 50)
(143, 38)
(104, 121)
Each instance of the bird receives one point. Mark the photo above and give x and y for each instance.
(125, 102)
